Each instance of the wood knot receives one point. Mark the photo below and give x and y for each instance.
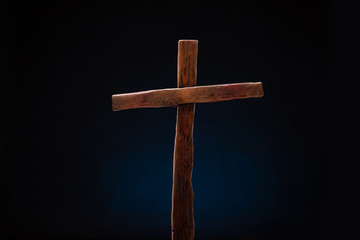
(172, 102)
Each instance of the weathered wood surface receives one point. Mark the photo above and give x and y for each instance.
(185, 97)
(182, 217)
(173, 97)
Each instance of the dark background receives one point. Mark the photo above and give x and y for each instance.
(73, 169)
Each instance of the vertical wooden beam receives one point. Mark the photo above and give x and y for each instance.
(182, 217)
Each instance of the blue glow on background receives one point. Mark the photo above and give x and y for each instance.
(241, 176)
(73, 168)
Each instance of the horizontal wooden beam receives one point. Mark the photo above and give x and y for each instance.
(172, 97)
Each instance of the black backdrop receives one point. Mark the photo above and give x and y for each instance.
(72, 168)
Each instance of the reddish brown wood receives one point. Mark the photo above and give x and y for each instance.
(182, 217)
(173, 97)
(185, 97)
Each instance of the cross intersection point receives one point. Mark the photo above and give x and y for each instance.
(184, 98)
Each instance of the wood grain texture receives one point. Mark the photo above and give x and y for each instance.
(173, 97)
(182, 217)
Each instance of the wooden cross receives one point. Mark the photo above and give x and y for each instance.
(184, 98)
